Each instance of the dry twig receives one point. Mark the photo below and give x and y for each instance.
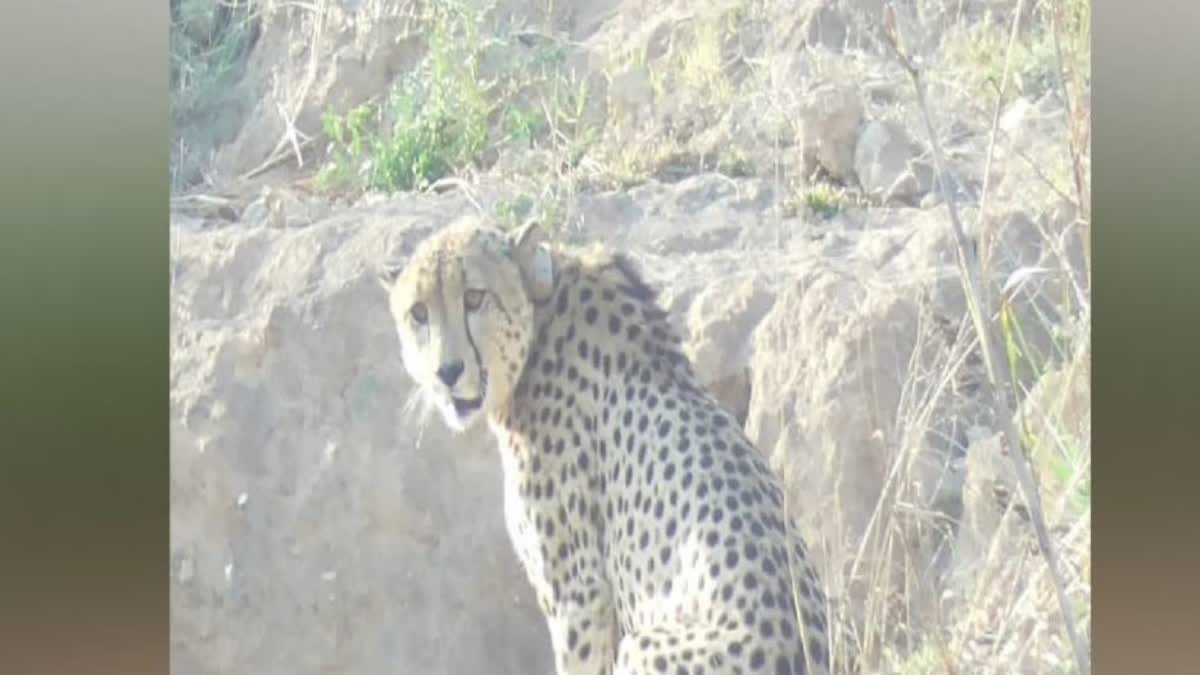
(971, 277)
(1000, 94)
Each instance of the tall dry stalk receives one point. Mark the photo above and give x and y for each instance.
(970, 274)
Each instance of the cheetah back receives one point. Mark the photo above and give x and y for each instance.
(632, 495)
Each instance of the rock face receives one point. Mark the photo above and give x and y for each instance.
(323, 522)
(828, 131)
(318, 524)
(887, 164)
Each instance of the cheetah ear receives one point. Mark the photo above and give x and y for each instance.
(531, 251)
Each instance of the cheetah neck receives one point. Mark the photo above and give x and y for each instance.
(600, 336)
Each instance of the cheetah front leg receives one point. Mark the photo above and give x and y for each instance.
(583, 631)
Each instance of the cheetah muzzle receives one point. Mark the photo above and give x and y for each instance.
(465, 408)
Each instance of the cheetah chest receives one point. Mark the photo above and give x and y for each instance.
(524, 518)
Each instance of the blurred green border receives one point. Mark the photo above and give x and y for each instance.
(84, 360)
(83, 321)
(1146, 330)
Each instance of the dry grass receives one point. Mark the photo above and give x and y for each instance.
(1011, 581)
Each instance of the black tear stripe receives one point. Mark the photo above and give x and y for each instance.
(500, 305)
(467, 331)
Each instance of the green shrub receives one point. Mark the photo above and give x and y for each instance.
(434, 123)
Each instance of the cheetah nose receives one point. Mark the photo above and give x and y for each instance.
(450, 372)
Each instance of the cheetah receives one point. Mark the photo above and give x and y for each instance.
(652, 531)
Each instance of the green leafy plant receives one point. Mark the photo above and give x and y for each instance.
(434, 123)
(824, 200)
(511, 212)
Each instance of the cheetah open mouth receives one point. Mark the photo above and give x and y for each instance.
(464, 407)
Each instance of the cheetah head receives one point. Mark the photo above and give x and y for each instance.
(463, 306)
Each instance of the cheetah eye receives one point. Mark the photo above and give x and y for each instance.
(473, 299)
(419, 314)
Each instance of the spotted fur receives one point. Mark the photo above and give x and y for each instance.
(652, 531)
